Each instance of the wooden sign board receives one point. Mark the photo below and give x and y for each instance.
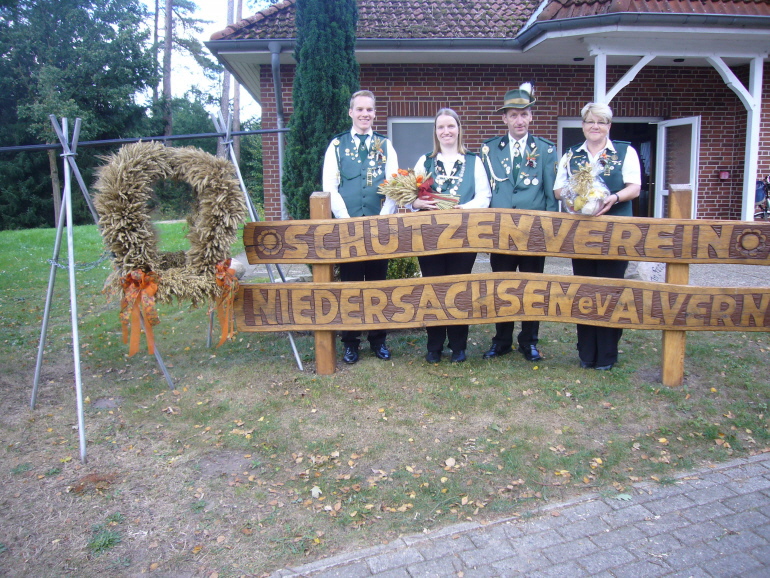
(508, 231)
(496, 297)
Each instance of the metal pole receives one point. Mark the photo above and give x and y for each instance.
(220, 126)
(158, 358)
(69, 157)
(73, 299)
(48, 299)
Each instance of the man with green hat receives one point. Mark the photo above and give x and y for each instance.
(521, 171)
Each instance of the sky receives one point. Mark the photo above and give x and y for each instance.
(186, 73)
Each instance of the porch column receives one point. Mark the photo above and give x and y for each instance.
(752, 100)
(600, 77)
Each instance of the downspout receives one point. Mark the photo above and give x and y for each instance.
(275, 65)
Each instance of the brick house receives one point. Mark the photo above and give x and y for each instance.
(684, 79)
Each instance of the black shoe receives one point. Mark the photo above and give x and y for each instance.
(433, 356)
(351, 354)
(603, 367)
(496, 351)
(458, 356)
(381, 351)
(530, 352)
(586, 364)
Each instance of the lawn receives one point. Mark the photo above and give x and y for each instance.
(249, 465)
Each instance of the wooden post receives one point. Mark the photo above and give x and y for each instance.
(679, 204)
(325, 345)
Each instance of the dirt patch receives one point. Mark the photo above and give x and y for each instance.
(219, 464)
(107, 402)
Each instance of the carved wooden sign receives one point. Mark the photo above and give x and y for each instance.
(491, 298)
(508, 231)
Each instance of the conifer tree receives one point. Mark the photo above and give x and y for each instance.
(326, 76)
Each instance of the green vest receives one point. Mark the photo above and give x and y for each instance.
(612, 176)
(359, 179)
(467, 189)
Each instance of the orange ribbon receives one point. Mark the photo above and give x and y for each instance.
(227, 280)
(425, 190)
(138, 301)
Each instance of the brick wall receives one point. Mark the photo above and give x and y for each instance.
(476, 92)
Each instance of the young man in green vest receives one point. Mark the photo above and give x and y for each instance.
(521, 170)
(355, 164)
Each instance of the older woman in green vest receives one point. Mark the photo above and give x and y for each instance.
(617, 164)
(458, 176)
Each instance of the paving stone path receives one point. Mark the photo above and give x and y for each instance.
(712, 522)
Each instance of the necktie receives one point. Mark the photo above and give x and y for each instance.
(363, 153)
(516, 159)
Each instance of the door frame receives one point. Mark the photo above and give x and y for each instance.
(660, 162)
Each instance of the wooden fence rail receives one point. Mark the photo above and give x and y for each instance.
(325, 306)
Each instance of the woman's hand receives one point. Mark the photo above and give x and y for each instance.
(609, 201)
(429, 205)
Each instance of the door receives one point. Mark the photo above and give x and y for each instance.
(677, 160)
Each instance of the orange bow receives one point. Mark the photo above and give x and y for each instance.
(139, 290)
(229, 283)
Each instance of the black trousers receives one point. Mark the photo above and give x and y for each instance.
(364, 271)
(598, 345)
(448, 264)
(529, 329)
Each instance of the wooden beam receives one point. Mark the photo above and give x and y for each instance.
(508, 231)
(325, 344)
(497, 297)
(674, 342)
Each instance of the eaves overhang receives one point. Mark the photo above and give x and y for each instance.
(501, 50)
(677, 22)
(366, 48)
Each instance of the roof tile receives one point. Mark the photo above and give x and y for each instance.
(431, 19)
(561, 9)
(400, 19)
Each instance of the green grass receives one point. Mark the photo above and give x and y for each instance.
(103, 540)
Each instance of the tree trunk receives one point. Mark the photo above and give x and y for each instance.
(55, 185)
(224, 105)
(155, 50)
(167, 48)
(237, 96)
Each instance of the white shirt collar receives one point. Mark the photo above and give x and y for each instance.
(522, 141)
(459, 157)
(610, 146)
(353, 133)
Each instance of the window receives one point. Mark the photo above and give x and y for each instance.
(412, 137)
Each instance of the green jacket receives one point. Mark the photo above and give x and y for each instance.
(533, 187)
